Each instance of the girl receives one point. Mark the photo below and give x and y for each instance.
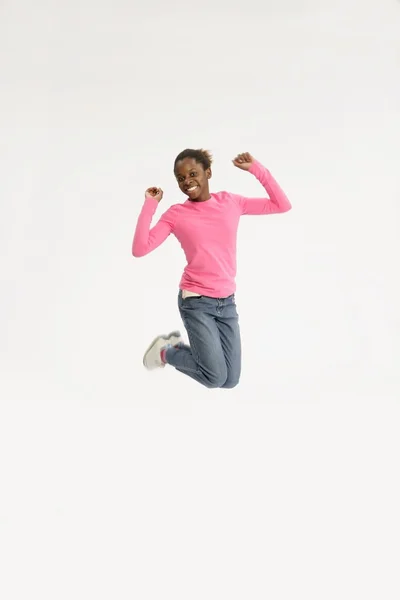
(206, 226)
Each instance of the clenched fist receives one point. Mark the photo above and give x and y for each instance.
(155, 193)
(243, 161)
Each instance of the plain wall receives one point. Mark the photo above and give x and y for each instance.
(119, 483)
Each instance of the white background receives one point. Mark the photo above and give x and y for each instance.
(117, 483)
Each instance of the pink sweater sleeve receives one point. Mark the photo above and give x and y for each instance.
(145, 239)
(277, 202)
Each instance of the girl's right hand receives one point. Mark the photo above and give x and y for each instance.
(155, 193)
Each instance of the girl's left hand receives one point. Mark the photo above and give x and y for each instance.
(243, 161)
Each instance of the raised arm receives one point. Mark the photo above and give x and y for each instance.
(276, 202)
(146, 240)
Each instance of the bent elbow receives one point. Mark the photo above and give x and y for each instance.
(286, 207)
(138, 252)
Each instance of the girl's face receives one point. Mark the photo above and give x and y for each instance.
(193, 179)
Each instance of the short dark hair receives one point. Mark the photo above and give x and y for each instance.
(201, 156)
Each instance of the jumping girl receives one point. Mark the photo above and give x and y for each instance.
(206, 226)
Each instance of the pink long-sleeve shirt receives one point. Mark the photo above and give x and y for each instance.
(207, 232)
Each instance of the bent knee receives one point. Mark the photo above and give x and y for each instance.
(223, 382)
(230, 383)
(215, 383)
(216, 379)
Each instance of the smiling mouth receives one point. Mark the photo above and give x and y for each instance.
(192, 189)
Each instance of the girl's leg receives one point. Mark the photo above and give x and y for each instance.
(229, 332)
(203, 360)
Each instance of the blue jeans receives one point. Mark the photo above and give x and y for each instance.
(214, 355)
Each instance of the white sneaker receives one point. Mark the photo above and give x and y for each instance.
(152, 356)
(174, 338)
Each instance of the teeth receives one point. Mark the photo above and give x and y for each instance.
(192, 188)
